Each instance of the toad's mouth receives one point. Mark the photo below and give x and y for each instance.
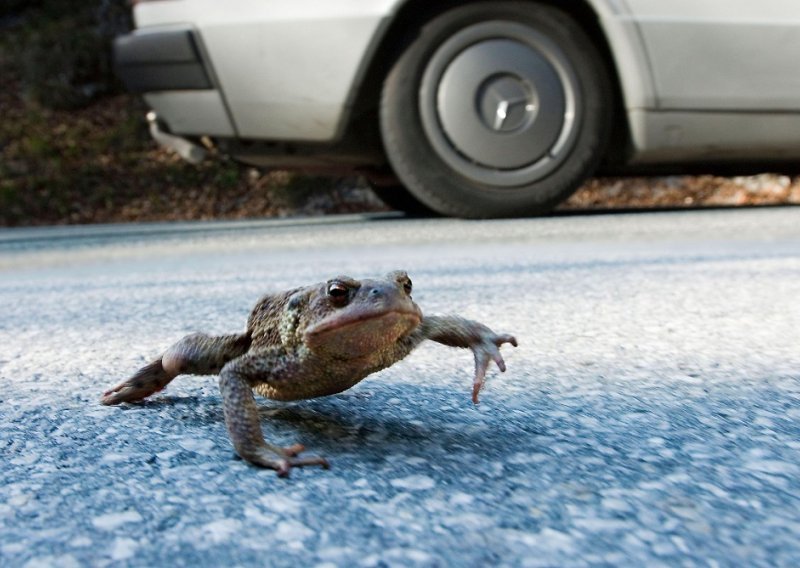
(362, 331)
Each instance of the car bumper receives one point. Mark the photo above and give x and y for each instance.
(167, 66)
(160, 61)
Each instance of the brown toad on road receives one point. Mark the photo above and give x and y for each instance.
(309, 342)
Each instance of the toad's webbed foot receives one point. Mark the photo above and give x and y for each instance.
(282, 460)
(456, 331)
(149, 379)
(485, 351)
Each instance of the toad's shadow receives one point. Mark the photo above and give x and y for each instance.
(409, 420)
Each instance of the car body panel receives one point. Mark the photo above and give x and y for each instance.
(692, 137)
(725, 81)
(197, 113)
(627, 52)
(710, 55)
(287, 67)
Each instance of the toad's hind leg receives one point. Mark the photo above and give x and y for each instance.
(195, 354)
(244, 423)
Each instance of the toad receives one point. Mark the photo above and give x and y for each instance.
(309, 342)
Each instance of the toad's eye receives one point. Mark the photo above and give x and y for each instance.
(338, 292)
(407, 286)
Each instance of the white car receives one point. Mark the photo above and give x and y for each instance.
(471, 108)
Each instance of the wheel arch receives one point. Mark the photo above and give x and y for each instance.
(408, 18)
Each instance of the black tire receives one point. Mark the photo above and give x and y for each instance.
(552, 103)
(399, 198)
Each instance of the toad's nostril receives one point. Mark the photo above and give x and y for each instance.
(375, 292)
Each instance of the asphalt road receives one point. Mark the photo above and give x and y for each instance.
(650, 415)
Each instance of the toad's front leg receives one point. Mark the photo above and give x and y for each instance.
(460, 332)
(242, 419)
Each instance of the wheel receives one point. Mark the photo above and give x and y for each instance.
(399, 198)
(496, 109)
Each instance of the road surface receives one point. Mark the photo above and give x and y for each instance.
(650, 415)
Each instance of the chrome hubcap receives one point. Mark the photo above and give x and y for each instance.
(499, 104)
(506, 103)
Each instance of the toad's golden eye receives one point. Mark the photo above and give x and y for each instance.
(338, 292)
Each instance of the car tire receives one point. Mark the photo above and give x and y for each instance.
(496, 109)
(399, 198)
